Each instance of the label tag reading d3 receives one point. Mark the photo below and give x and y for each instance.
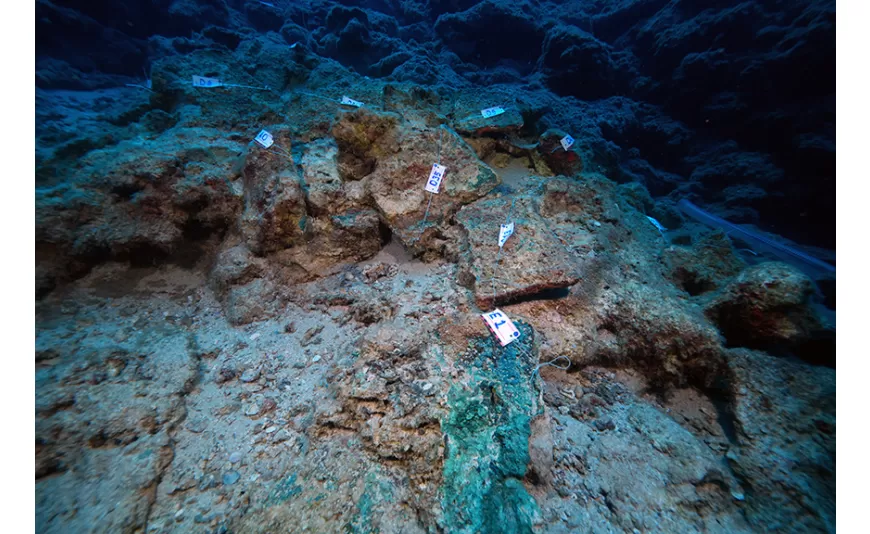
(435, 178)
(351, 102)
(504, 233)
(491, 112)
(501, 326)
(264, 139)
(201, 81)
(567, 141)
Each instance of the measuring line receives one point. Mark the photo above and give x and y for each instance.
(266, 88)
(552, 364)
(318, 96)
(339, 102)
(537, 371)
(281, 152)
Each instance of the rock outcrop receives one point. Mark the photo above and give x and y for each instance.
(771, 306)
(239, 338)
(786, 427)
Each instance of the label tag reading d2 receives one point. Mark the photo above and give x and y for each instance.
(264, 139)
(501, 326)
(504, 233)
(351, 102)
(567, 141)
(201, 81)
(491, 112)
(435, 178)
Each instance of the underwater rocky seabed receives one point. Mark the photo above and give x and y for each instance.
(234, 339)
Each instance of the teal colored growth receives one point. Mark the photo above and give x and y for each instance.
(487, 433)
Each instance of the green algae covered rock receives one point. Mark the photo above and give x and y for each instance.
(487, 433)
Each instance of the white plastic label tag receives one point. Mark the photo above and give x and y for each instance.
(567, 141)
(501, 326)
(435, 178)
(351, 102)
(200, 81)
(504, 233)
(491, 112)
(264, 139)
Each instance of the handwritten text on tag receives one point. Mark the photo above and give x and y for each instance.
(351, 102)
(435, 178)
(491, 112)
(501, 326)
(201, 81)
(264, 139)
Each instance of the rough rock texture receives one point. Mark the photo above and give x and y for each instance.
(615, 459)
(392, 161)
(559, 160)
(375, 398)
(786, 427)
(403, 400)
(767, 305)
(275, 213)
(533, 260)
(139, 201)
(238, 339)
(714, 68)
(703, 266)
(396, 186)
(511, 121)
(110, 403)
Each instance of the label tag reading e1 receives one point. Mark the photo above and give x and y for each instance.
(504, 233)
(491, 112)
(351, 102)
(264, 139)
(567, 141)
(501, 326)
(201, 81)
(435, 178)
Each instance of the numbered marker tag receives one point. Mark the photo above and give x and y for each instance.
(491, 112)
(351, 102)
(567, 141)
(201, 81)
(504, 233)
(435, 178)
(501, 326)
(264, 139)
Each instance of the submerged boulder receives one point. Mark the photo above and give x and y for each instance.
(137, 201)
(785, 417)
(532, 260)
(474, 123)
(275, 214)
(769, 306)
(559, 159)
(705, 266)
(405, 155)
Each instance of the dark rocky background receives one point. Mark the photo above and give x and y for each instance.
(238, 339)
(729, 103)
